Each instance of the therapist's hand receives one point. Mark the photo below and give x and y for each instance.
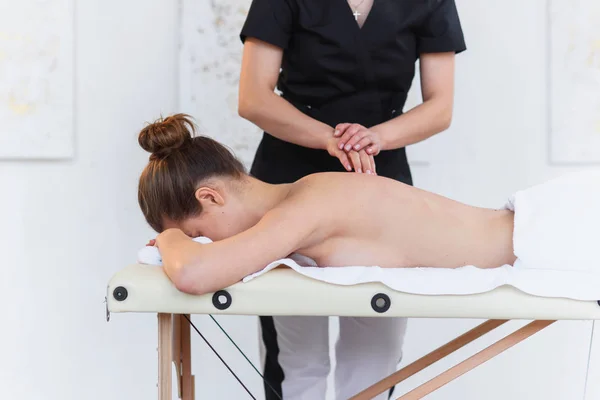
(362, 162)
(356, 137)
(358, 161)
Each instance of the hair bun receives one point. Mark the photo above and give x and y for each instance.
(165, 135)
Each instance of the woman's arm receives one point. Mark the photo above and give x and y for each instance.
(259, 103)
(430, 117)
(425, 120)
(196, 268)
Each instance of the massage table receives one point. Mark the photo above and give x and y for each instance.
(281, 290)
(556, 277)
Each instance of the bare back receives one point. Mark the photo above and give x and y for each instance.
(370, 220)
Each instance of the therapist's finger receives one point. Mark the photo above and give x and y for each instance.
(374, 168)
(340, 129)
(350, 131)
(365, 162)
(354, 140)
(362, 143)
(356, 161)
(373, 149)
(343, 157)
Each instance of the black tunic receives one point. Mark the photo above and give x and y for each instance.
(335, 71)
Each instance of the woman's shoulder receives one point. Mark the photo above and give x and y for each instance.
(332, 179)
(321, 181)
(330, 187)
(337, 188)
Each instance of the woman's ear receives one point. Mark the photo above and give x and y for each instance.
(208, 197)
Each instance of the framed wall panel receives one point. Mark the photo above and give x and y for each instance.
(36, 79)
(574, 81)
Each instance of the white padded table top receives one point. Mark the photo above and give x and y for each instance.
(283, 291)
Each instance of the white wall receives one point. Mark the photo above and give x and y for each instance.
(67, 226)
(70, 225)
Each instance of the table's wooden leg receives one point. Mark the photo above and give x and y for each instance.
(427, 360)
(478, 359)
(165, 356)
(187, 387)
(182, 356)
(177, 351)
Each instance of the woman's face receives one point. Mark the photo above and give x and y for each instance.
(213, 224)
(223, 215)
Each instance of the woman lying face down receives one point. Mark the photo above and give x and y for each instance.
(193, 186)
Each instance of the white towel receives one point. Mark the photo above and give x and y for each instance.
(556, 239)
(151, 256)
(557, 223)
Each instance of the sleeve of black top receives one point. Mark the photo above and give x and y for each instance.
(440, 30)
(270, 21)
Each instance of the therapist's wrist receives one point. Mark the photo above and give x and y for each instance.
(325, 138)
(384, 142)
(391, 137)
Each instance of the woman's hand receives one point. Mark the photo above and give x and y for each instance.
(151, 243)
(358, 161)
(356, 137)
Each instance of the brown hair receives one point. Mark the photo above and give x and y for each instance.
(178, 164)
